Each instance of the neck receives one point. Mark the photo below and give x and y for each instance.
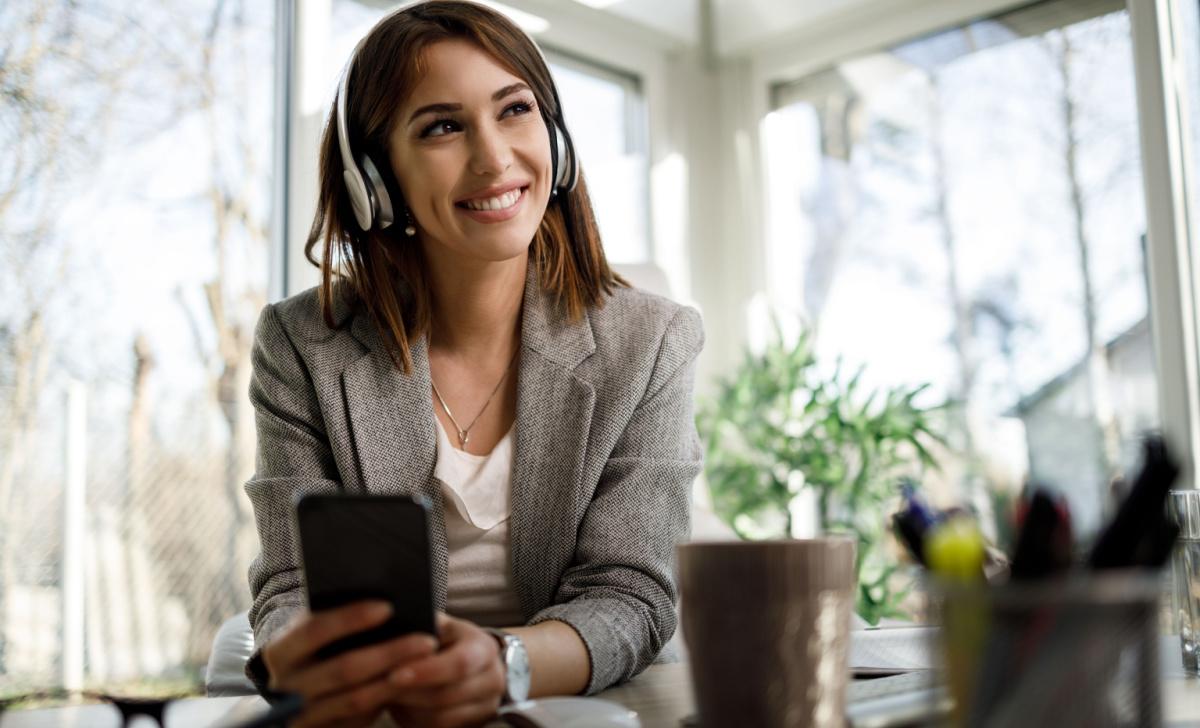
(477, 308)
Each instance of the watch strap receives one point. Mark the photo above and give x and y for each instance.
(508, 642)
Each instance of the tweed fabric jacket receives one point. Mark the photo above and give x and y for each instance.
(606, 452)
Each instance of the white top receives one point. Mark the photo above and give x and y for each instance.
(476, 492)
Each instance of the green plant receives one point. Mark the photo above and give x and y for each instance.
(778, 426)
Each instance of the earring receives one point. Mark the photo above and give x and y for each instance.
(411, 228)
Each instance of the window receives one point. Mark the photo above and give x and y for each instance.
(134, 216)
(966, 210)
(606, 120)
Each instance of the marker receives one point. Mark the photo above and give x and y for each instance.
(912, 524)
(1044, 544)
(955, 550)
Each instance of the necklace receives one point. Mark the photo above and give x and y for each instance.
(464, 433)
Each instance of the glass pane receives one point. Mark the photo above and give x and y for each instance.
(598, 118)
(966, 211)
(134, 209)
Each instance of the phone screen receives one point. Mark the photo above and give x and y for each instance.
(367, 547)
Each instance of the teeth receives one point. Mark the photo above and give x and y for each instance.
(504, 201)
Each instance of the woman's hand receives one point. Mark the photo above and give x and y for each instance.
(351, 689)
(461, 685)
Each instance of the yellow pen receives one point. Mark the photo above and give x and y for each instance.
(954, 551)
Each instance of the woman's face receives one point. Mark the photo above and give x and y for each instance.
(472, 156)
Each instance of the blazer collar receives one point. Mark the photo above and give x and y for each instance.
(546, 329)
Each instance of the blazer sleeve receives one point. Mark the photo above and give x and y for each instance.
(619, 593)
(293, 458)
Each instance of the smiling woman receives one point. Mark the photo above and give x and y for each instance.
(472, 165)
(462, 272)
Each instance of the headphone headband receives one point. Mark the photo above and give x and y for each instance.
(372, 200)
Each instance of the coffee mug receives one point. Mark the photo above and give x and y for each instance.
(767, 629)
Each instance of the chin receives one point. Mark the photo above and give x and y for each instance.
(494, 249)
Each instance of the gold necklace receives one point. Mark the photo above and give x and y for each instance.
(464, 433)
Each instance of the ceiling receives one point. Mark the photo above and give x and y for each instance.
(737, 24)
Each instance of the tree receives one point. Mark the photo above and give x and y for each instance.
(68, 76)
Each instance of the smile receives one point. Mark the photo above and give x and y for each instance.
(506, 200)
(494, 209)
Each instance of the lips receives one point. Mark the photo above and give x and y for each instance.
(495, 204)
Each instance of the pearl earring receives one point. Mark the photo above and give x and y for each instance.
(410, 229)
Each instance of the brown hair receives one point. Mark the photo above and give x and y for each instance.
(383, 272)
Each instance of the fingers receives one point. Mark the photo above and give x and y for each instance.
(351, 706)
(482, 687)
(466, 655)
(359, 666)
(298, 644)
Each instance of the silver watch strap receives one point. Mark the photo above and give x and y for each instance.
(509, 643)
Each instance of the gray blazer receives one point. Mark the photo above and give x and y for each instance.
(606, 452)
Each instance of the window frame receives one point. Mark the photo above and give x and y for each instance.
(637, 132)
(1170, 232)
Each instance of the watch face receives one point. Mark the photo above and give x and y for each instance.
(518, 671)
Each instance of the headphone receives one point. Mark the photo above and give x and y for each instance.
(371, 197)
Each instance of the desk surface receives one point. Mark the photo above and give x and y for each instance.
(662, 696)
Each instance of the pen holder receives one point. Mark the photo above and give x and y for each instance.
(1077, 651)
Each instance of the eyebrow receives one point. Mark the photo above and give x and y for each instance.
(508, 90)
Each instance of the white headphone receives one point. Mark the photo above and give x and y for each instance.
(370, 196)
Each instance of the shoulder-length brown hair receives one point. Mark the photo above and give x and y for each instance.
(382, 271)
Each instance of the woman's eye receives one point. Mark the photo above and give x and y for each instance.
(440, 127)
(520, 107)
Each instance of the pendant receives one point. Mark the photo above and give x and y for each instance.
(463, 437)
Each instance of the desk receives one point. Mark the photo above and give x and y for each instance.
(662, 695)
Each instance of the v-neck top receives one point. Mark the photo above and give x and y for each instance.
(477, 502)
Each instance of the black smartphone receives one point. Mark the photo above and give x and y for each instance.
(367, 547)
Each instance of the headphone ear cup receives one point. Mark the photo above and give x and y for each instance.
(377, 190)
(360, 201)
(555, 156)
(566, 169)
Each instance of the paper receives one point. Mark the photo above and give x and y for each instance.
(892, 648)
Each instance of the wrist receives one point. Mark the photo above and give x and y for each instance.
(514, 661)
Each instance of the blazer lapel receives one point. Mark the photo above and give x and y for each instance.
(554, 415)
(391, 423)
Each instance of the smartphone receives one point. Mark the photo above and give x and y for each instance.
(367, 547)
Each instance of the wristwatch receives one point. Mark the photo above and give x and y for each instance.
(516, 665)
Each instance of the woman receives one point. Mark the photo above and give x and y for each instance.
(480, 352)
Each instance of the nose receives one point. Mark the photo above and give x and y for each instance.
(491, 153)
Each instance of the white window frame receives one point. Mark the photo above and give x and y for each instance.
(1161, 79)
(637, 138)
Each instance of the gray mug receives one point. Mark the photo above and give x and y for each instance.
(767, 628)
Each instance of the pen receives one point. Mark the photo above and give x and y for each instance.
(1138, 534)
(913, 522)
(1044, 543)
(954, 550)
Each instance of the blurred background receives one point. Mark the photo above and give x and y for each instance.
(949, 242)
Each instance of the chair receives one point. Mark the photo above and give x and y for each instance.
(225, 675)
